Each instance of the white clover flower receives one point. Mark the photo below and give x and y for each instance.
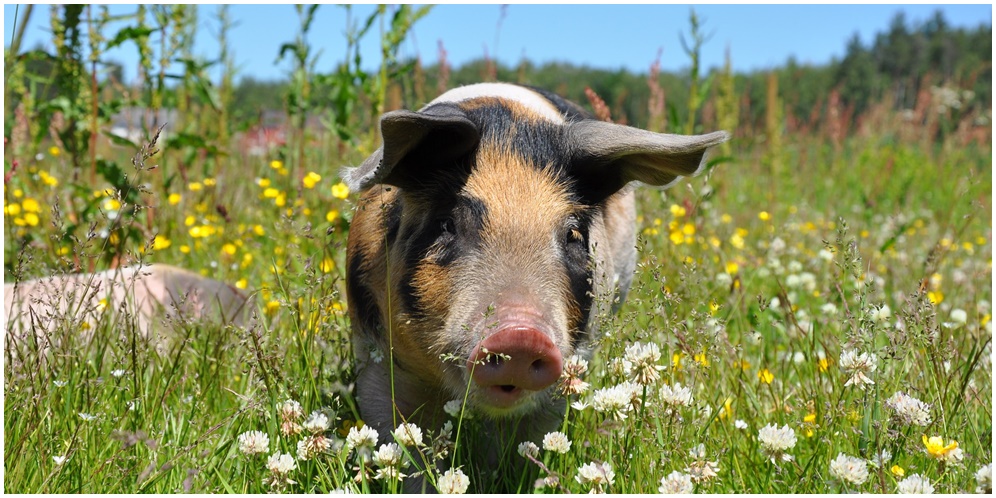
(528, 448)
(829, 309)
(851, 469)
(570, 380)
(317, 423)
(676, 483)
(915, 485)
(881, 314)
(362, 438)
(908, 409)
(598, 475)
(881, 458)
(254, 442)
(959, 316)
(291, 410)
(453, 482)
(388, 455)
(858, 366)
(984, 477)
(740, 424)
(777, 244)
(453, 407)
(281, 464)
(312, 446)
(825, 255)
(775, 441)
(556, 442)
(408, 435)
(676, 396)
(615, 400)
(389, 474)
(701, 469)
(641, 361)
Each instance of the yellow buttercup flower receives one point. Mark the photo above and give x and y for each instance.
(54, 151)
(936, 447)
(340, 190)
(160, 242)
(311, 179)
(765, 376)
(30, 205)
(897, 471)
(174, 198)
(327, 265)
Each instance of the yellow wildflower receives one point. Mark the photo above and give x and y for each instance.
(276, 164)
(112, 205)
(824, 364)
(701, 359)
(737, 241)
(677, 211)
(54, 151)
(936, 447)
(160, 242)
(340, 190)
(210, 182)
(31, 219)
(897, 471)
(229, 249)
(732, 268)
(935, 296)
(174, 198)
(48, 179)
(185, 249)
(332, 215)
(195, 186)
(765, 376)
(263, 182)
(12, 209)
(258, 230)
(270, 193)
(311, 179)
(272, 307)
(30, 205)
(764, 216)
(242, 283)
(327, 265)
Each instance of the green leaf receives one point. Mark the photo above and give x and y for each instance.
(136, 33)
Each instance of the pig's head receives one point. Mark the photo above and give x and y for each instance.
(495, 237)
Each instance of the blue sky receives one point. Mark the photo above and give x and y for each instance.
(603, 36)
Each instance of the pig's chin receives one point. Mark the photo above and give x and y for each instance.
(504, 401)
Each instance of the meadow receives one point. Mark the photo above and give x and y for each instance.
(813, 315)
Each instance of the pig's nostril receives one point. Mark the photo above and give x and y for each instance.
(538, 365)
(507, 388)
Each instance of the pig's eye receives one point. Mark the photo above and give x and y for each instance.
(447, 226)
(573, 236)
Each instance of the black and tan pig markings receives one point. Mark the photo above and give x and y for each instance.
(497, 219)
(516, 164)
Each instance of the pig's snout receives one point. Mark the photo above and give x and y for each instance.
(512, 362)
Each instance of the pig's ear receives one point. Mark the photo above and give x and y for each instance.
(607, 156)
(414, 144)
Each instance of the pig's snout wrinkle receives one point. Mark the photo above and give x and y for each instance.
(514, 361)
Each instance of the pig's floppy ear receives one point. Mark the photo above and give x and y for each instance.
(414, 143)
(607, 156)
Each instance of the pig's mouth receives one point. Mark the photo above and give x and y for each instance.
(509, 367)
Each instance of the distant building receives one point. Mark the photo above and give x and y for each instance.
(139, 124)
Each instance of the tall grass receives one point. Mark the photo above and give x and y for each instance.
(873, 242)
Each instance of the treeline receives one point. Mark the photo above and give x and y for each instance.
(899, 65)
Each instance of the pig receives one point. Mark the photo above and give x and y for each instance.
(147, 293)
(494, 226)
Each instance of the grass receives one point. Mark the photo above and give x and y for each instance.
(751, 282)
